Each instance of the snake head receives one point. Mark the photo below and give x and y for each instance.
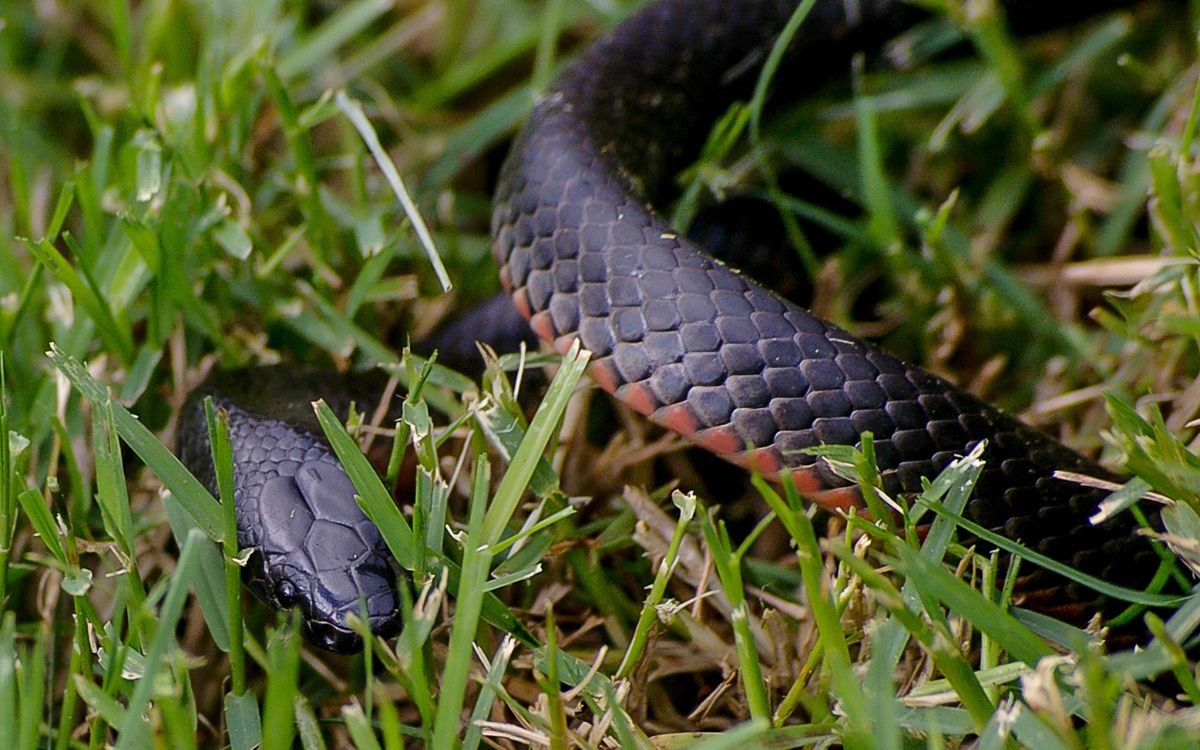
(317, 551)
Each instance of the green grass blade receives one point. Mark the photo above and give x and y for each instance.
(283, 658)
(374, 499)
(1093, 583)
(164, 636)
(196, 500)
(541, 429)
(476, 561)
(353, 111)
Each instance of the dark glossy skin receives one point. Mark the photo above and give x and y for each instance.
(675, 334)
(704, 351)
(314, 547)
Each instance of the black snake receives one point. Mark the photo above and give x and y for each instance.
(681, 338)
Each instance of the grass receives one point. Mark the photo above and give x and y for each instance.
(187, 186)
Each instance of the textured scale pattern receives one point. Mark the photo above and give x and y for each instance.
(313, 546)
(708, 353)
(681, 338)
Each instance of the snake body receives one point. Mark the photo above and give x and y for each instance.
(702, 350)
(681, 338)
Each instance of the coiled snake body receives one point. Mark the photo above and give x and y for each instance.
(685, 340)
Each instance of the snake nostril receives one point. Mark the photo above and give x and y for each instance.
(285, 594)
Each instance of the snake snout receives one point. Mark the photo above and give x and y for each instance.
(323, 555)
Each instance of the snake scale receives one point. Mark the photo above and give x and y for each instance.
(676, 335)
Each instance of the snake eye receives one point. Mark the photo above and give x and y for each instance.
(285, 594)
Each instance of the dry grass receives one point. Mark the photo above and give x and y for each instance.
(186, 194)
